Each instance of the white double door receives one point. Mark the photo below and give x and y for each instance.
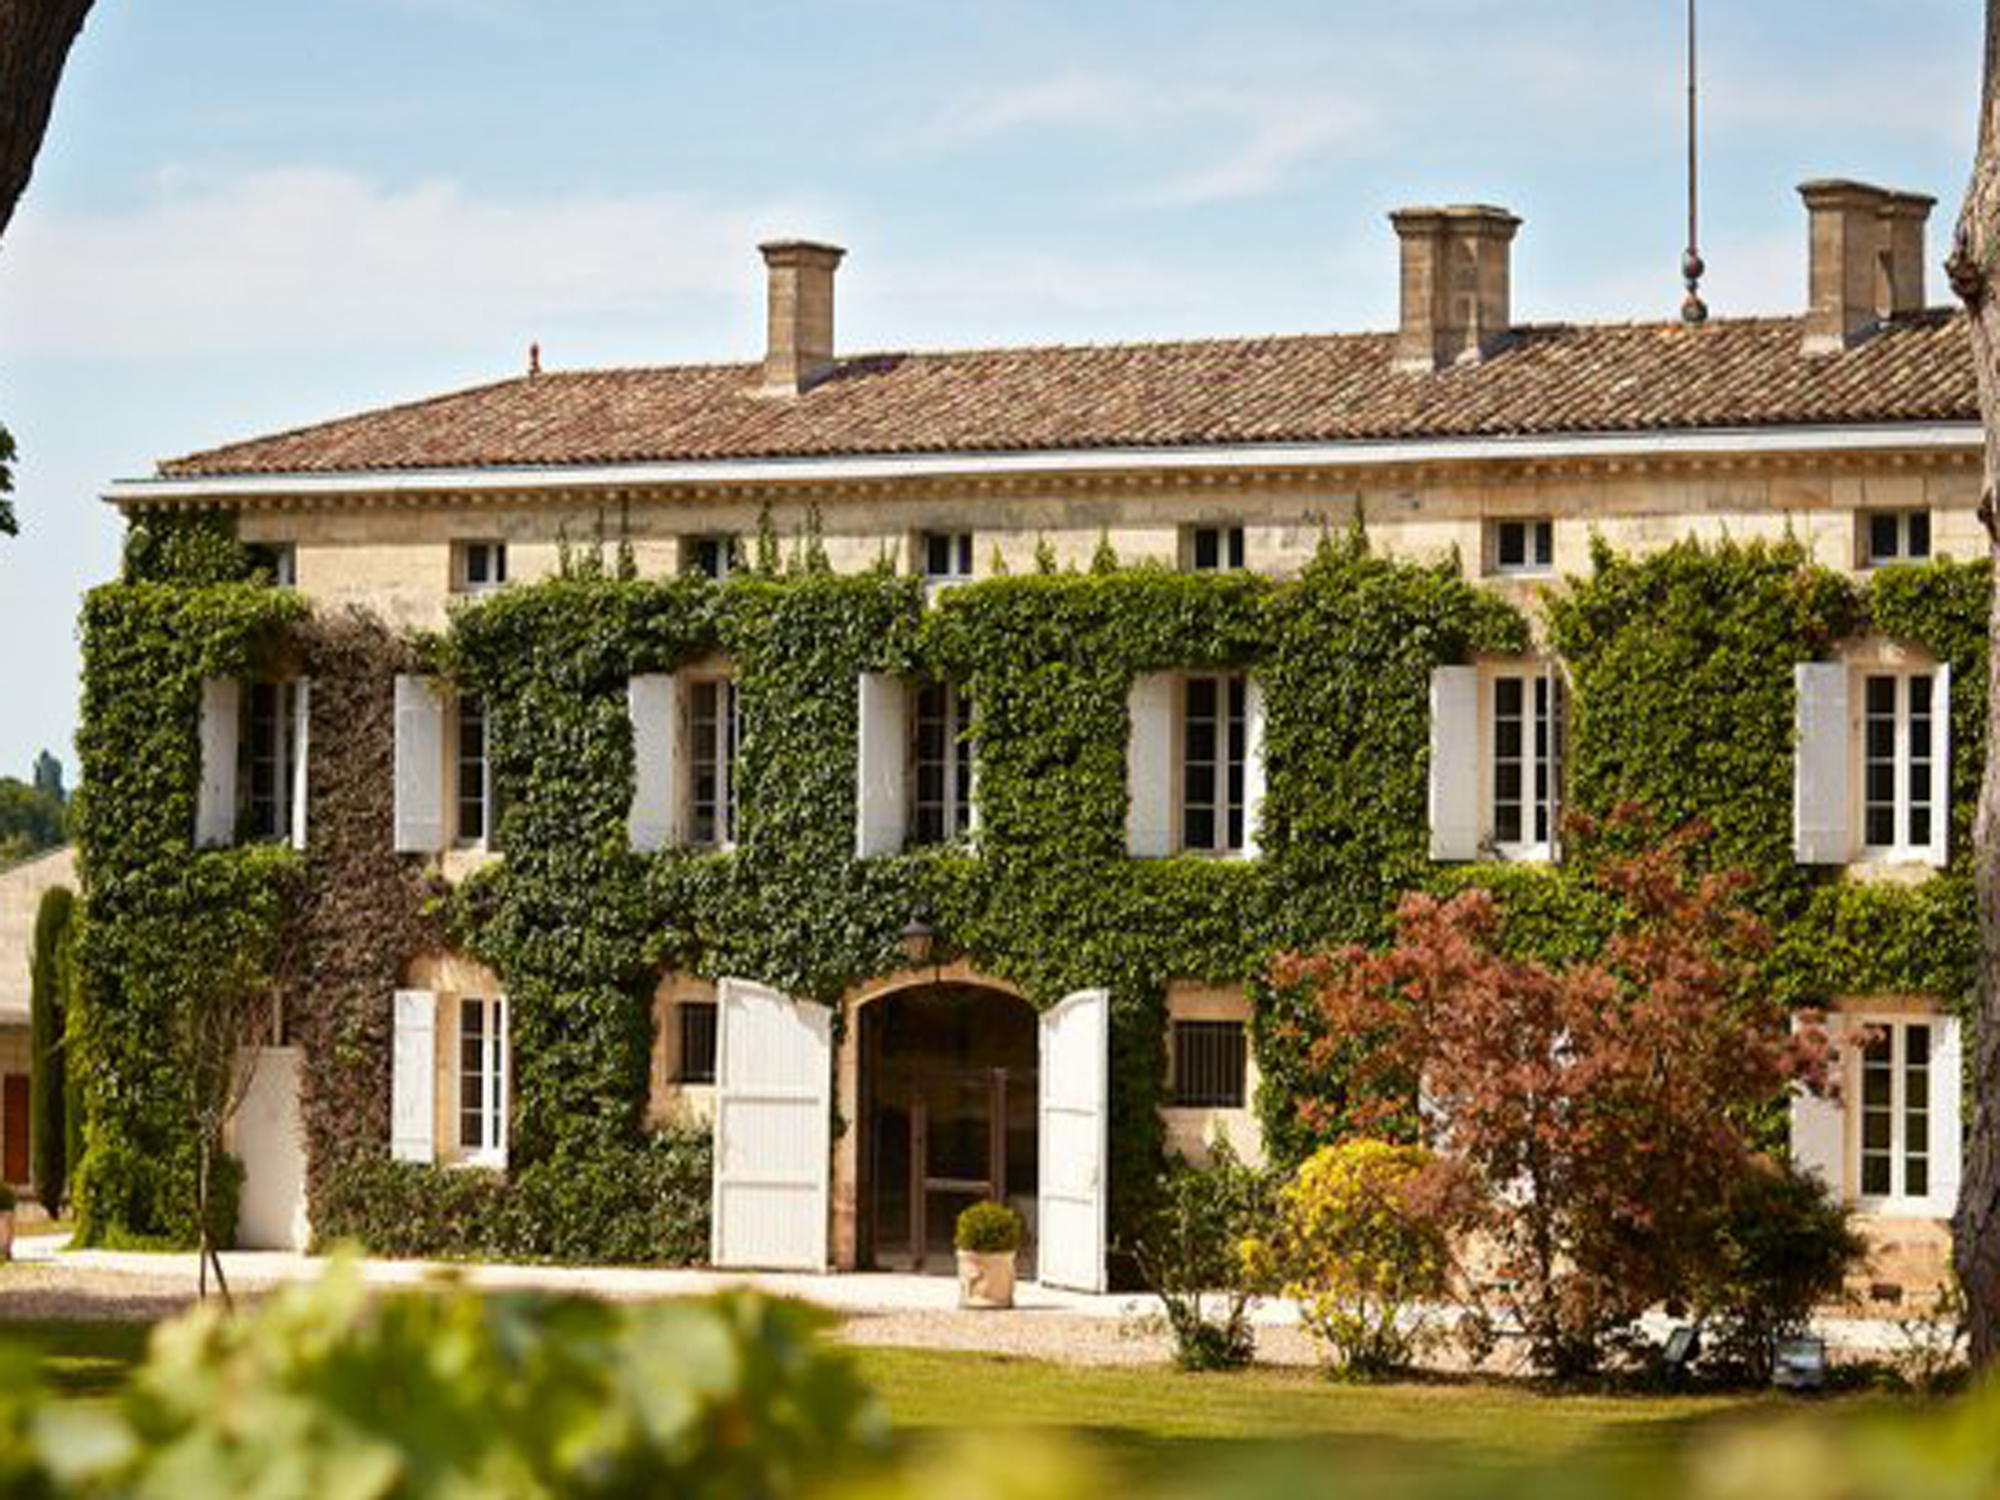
(773, 1134)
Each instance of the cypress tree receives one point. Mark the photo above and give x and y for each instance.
(48, 995)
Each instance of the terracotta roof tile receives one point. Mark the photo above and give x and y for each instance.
(1551, 380)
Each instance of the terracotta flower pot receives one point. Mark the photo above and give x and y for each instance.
(986, 1278)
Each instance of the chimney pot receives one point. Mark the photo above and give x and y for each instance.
(798, 348)
(1456, 285)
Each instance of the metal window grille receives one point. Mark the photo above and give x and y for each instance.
(1211, 1064)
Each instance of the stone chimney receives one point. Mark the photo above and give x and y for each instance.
(1900, 282)
(799, 344)
(1457, 285)
(1867, 260)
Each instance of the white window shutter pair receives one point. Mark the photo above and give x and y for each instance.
(654, 704)
(420, 810)
(413, 1078)
(881, 783)
(1454, 768)
(221, 725)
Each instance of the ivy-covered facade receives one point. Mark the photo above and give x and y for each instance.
(519, 793)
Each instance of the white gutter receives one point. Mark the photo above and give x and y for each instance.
(1709, 442)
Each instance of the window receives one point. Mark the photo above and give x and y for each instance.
(481, 566)
(1211, 1064)
(1900, 729)
(710, 556)
(270, 759)
(946, 555)
(1213, 548)
(1214, 741)
(1892, 536)
(1524, 546)
(942, 761)
(696, 1019)
(277, 561)
(712, 762)
(472, 775)
(482, 1078)
(1895, 1112)
(1523, 755)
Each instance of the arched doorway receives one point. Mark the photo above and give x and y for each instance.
(948, 1116)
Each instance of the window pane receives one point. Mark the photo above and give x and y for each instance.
(1236, 546)
(472, 1075)
(471, 769)
(697, 1018)
(1545, 543)
(1882, 536)
(1918, 535)
(1513, 546)
(1207, 548)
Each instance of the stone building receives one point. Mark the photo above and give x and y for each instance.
(1851, 429)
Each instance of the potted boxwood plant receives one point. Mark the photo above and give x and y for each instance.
(988, 1237)
(6, 1222)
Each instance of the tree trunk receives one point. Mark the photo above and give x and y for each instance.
(1975, 277)
(35, 38)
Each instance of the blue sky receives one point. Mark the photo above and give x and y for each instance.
(251, 215)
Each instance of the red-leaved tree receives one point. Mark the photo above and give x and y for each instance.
(1604, 1110)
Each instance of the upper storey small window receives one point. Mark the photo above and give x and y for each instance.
(1893, 536)
(277, 561)
(946, 555)
(712, 556)
(1526, 547)
(479, 566)
(1211, 549)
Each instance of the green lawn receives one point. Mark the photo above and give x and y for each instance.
(81, 1357)
(1158, 1426)
(1157, 1430)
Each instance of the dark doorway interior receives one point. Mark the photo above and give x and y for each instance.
(948, 1103)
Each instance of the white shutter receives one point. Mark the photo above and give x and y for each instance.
(655, 709)
(419, 767)
(1075, 1147)
(881, 783)
(1253, 768)
(1822, 795)
(1454, 777)
(1940, 850)
(503, 1076)
(215, 801)
(773, 1129)
(1947, 1123)
(1149, 767)
(413, 1078)
(1818, 1134)
(301, 744)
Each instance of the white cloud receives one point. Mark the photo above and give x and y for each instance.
(1279, 140)
(305, 259)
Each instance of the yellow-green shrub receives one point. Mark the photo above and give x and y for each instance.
(1361, 1247)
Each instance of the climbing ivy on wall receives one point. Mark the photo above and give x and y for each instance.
(1682, 670)
(161, 918)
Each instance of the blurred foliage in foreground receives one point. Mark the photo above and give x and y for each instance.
(329, 1392)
